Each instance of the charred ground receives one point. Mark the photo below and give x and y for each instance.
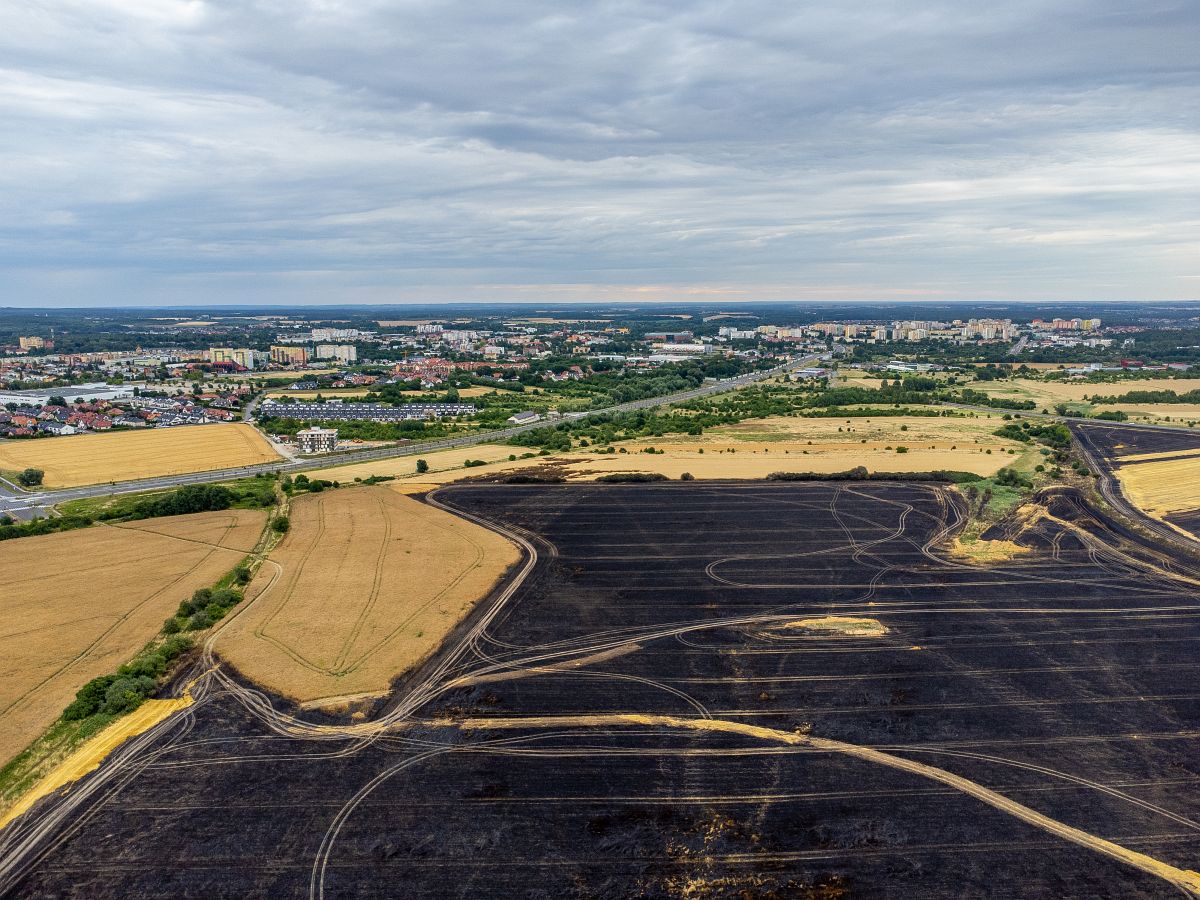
(1064, 679)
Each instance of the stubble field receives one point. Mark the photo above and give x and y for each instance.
(79, 604)
(365, 585)
(1047, 394)
(751, 449)
(755, 448)
(123, 455)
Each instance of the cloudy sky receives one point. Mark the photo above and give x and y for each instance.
(242, 151)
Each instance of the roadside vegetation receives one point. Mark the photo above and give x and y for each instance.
(105, 698)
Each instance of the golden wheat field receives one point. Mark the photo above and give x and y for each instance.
(365, 585)
(1051, 392)
(758, 447)
(78, 604)
(1163, 486)
(124, 455)
(443, 464)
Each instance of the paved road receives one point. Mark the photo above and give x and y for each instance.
(24, 504)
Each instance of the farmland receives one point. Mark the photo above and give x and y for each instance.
(689, 696)
(751, 449)
(444, 465)
(1162, 486)
(1157, 470)
(1048, 394)
(756, 448)
(78, 604)
(125, 455)
(366, 584)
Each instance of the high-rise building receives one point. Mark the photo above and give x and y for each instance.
(343, 353)
(289, 356)
(241, 356)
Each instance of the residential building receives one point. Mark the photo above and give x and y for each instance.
(317, 440)
(344, 353)
(239, 356)
(289, 356)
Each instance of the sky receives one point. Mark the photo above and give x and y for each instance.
(320, 151)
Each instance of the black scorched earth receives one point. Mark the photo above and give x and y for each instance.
(774, 690)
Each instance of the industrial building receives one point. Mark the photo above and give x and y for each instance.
(89, 393)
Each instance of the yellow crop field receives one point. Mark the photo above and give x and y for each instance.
(123, 455)
(365, 585)
(750, 449)
(444, 466)
(758, 447)
(80, 603)
(1068, 391)
(1164, 486)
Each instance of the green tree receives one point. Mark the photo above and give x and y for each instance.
(422, 467)
(31, 477)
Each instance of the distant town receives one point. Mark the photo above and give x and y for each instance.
(296, 375)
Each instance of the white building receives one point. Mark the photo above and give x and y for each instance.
(317, 440)
(336, 334)
(344, 353)
(89, 393)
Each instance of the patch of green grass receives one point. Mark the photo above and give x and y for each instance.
(251, 493)
(29, 766)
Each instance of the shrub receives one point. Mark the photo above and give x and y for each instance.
(241, 575)
(126, 694)
(422, 467)
(199, 621)
(190, 498)
(281, 524)
(31, 477)
(88, 698)
(687, 476)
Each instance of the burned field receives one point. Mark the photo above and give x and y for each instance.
(771, 690)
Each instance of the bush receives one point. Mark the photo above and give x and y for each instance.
(422, 467)
(281, 524)
(1012, 478)
(241, 575)
(687, 476)
(31, 477)
(199, 621)
(88, 698)
(191, 498)
(126, 694)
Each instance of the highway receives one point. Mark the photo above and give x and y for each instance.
(23, 504)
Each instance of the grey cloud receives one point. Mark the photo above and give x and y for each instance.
(154, 149)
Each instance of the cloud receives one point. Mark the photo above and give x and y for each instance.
(405, 150)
